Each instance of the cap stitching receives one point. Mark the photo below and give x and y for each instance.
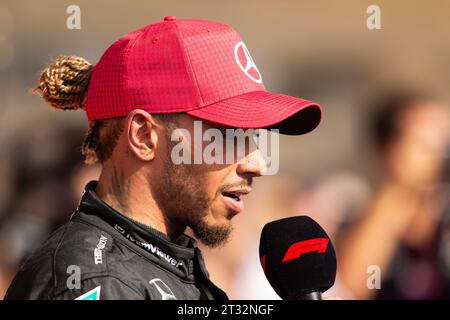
(127, 50)
(189, 67)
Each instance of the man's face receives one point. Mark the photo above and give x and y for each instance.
(416, 156)
(204, 197)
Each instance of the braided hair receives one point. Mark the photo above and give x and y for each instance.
(63, 85)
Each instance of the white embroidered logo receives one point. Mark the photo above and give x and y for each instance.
(98, 257)
(163, 289)
(246, 63)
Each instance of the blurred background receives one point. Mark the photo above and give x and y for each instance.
(375, 173)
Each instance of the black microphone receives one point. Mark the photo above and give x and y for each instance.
(298, 258)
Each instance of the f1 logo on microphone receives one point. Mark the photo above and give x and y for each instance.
(312, 245)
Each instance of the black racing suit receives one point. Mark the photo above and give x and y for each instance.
(101, 254)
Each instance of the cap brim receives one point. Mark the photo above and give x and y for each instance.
(261, 109)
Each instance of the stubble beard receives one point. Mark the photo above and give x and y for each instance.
(183, 197)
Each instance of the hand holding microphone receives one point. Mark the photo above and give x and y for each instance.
(298, 258)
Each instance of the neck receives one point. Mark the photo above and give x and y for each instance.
(130, 195)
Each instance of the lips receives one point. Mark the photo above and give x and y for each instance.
(233, 199)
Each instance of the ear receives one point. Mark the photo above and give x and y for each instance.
(141, 135)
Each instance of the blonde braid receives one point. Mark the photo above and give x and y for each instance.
(63, 84)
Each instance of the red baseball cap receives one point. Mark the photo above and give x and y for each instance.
(198, 67)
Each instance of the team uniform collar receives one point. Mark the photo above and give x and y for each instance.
(178, 256)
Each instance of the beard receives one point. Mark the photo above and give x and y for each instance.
(210, 235)
(183, 197)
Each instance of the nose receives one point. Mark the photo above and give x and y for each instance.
(253, 165)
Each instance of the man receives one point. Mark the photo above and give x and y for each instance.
(404, 229)
(126, 239)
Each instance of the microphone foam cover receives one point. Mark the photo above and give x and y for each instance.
(297, 257)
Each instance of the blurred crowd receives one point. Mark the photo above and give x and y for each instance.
(42, 180)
